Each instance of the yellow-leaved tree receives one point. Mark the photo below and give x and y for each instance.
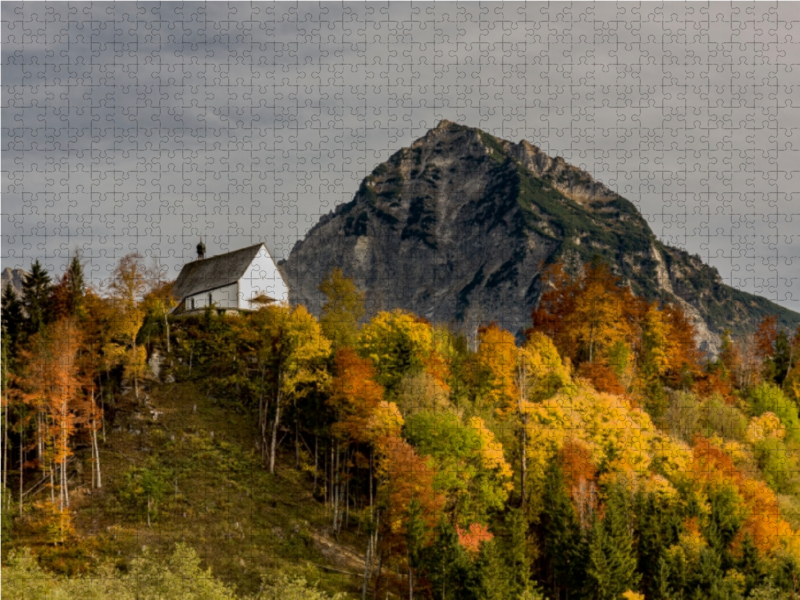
(621, 438)
(598, 322)
(398, 343)
(128, 286)
(296, 351)
(342, 310)
(517, 376)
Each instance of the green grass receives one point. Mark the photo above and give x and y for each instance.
(214, 495)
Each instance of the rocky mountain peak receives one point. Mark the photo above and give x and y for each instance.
(457, 227)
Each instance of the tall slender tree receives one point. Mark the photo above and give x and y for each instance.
(612, 561)
(565, 547)
(342, 310)
(67, 296)
(36, 288)
(13, 318)
(128, 286)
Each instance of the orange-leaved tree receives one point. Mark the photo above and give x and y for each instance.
(587, 314)
(598, 319)
(683, 356)
(762, 520)
(555, 305)
(362, 416)
(51, 383)
(411, 507)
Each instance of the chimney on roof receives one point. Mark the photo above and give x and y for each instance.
(201, 249)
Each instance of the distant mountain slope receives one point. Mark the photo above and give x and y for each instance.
(458, 226)
(13, 276)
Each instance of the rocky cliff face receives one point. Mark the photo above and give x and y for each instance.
(13, 276)
(458, 226)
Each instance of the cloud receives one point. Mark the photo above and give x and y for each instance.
(139, 127)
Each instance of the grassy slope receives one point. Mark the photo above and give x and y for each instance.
(217, 497)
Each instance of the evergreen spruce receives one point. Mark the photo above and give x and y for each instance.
(448, 568)
(36, 288)
(782, 359)
(612, 560)
(724, 522)
(13, 317)
(76, 287)
(751, 565)
(658, 525)
(496, 578)
(516, 551)
(565, 545)
(660, 588)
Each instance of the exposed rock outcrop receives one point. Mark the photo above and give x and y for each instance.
(15, 277)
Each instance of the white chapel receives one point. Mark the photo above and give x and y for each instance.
(240, 280)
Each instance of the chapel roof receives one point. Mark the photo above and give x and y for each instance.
(214, 272)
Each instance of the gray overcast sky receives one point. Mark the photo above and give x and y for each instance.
(141, 126)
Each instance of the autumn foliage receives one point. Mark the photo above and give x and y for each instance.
(600, 455)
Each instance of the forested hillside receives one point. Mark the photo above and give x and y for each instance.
(603, 456)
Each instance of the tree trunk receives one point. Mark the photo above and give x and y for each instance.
(65, 483)
(94, 442)
(524, 459)
(367, 559)
(97, 458)
(346, 492)
(296, 445)
(410, 579)
(523, 417)
(336, 489)
(39, 452)
(326, 484)
(263, 413)
(316, 460)
(380, 567)
(5, 450)
(166, 326)
(64, 448)
(371, 453)
(135, 374)
(275, 424)
(21, 470)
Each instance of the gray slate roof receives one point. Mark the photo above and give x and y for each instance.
(213, 272)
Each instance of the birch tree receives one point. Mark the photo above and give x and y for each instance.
(295, 350)
(128, 286)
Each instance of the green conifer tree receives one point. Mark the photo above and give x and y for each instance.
(447, 567)
(782, 359)
(658, 525)
(36, 289)
(565, 549)
(516, 551)
(495, 577)
(13, 318)
(751, 565)
(76, 287)
(612, 560)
